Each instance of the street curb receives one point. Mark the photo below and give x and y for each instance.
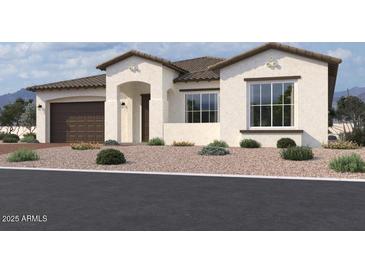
(187, 174)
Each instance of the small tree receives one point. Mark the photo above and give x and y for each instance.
(10, 114)
(28, 117)
(351, 109)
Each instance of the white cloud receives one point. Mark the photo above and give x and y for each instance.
(340, 53)
(40, 73)
(7, 69)
(24, 75)
(4, 50)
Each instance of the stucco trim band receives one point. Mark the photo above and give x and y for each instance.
(264, 131)
(294, 77)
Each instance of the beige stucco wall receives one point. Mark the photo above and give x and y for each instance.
(198, 133)
(167, 104)
(131, 120)
(160, 80)
(270, 139)
(310, 96)
(45, 98)
(176, 99)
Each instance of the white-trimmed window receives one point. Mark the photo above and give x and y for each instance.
(201, 107)
(272, 104)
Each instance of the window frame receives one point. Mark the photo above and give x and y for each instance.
(293, 104)
(200, 93)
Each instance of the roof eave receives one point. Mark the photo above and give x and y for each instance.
(36, 89)
(195, 80)
(131, 53)
(301, 52)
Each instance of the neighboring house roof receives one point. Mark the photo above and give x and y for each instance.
(85, 82)
(130, 53)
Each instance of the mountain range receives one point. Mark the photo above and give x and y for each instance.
(11, 97)
(355, 91)
(26, 95)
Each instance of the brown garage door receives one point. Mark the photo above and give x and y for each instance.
(77, 122)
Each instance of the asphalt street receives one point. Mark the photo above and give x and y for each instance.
(54, 200)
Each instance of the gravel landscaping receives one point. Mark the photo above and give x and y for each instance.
(10, 147)
(262, 161)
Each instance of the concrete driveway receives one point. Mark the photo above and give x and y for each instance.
(105, 201)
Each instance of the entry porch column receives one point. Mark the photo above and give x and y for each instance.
(112, 114)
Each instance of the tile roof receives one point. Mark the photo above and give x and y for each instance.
(198, 64)
(297, 51)
(95, 81)
(197, 69)
(193, 70)
(130, 53)
(205, 75)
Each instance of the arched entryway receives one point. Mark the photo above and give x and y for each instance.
(135, 119)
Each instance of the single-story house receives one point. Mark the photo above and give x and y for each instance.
(266, 93)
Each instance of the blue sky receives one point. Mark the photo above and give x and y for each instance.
(24, 64)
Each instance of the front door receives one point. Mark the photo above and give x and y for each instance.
(145, 116)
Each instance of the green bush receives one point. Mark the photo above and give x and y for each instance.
(156, 142)
(110, 156)
(213, 150)
(249, 143)
(341, 145)
(182, 144)
(10, 138)
(30, 134)
(84, 146)
(22, 155)
(218, 143)
(285, 143)
(111, 143)
(357, 136)
(297, 153)
(2, 134)
(349, 163)
(27, 139)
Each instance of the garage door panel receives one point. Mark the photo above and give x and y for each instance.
(77, 122)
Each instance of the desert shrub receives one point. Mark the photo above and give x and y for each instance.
(111, 143)
(348, 163)
(285, 143)
(182, 144)
(27, 139)
(110, 156)
(2, 134)
(297, 153)
(84, 146)
(357, 136)
(30, 134)
(213, 150)
(218, 143)
(156, 142)
(22, 155)
(341, 145)
(10, 138)
(249, 143)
